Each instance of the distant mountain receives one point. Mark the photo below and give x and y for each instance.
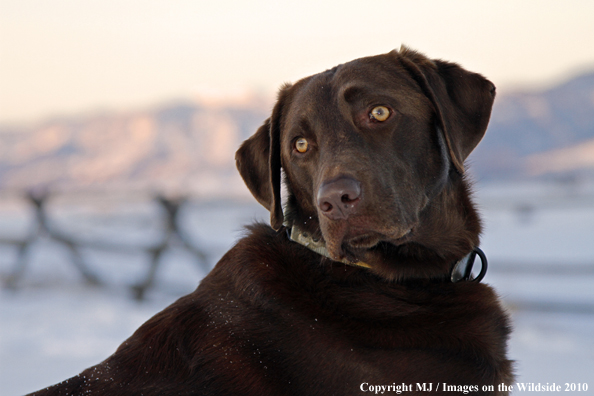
(191, 146)
(571, 160)
(178, 146)
(526, 124)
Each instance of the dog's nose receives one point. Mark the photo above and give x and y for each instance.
(338, 199)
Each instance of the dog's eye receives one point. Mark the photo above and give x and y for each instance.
(301, 145)
(380, 113)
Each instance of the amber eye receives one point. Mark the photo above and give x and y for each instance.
(301, 145)
(380, 113)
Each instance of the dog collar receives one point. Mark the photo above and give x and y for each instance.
(317, 245)
(461, 271)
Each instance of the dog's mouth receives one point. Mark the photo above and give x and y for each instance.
(365, 241)
(356, 247)
(371, 239)
(359, 237)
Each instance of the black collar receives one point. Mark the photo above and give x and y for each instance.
(461, 271)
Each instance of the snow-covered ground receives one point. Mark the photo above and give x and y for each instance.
(540, 245)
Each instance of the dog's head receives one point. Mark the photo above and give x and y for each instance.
(373, 153)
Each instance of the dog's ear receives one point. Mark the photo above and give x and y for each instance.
(462, 101)
(259, 162)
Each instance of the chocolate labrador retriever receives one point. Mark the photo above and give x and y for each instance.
(351, 291)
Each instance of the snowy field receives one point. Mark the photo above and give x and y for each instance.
(539, 241)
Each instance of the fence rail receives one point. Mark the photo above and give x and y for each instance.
(44, 228)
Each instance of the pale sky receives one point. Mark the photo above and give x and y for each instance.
(61, 57)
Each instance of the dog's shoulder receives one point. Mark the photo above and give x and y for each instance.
(263, 261)
(471, 313)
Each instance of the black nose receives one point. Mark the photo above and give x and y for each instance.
(338, 199)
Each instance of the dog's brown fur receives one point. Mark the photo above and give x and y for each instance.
(274, 318)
